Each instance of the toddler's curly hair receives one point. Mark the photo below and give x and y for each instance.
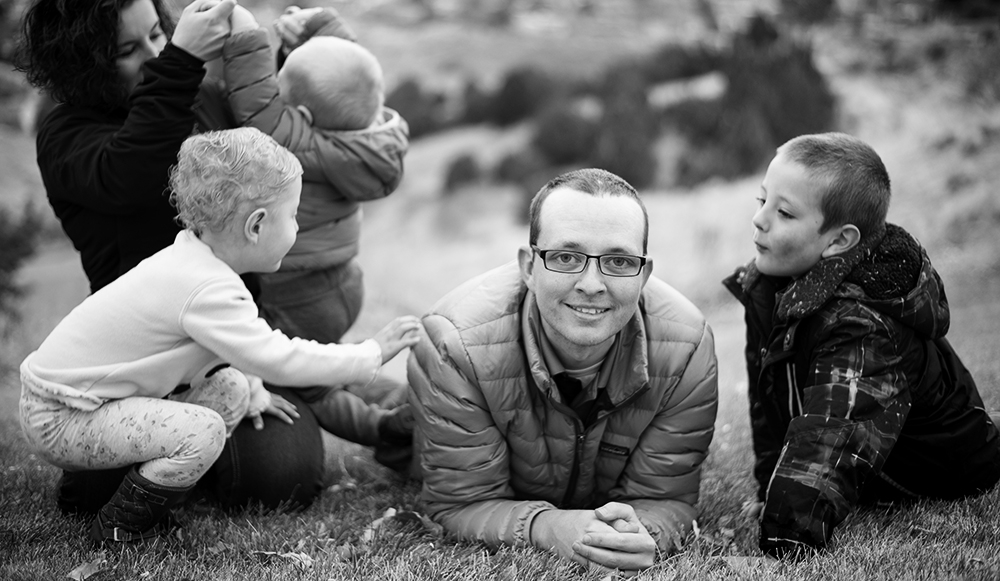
(222, 175)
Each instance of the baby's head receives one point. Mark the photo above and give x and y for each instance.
(238, 191)
(337, 80)
(821, 196)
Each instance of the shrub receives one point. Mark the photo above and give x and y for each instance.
(774, 93)
(627, 130)
(476, 104)
(420, 108)
(670, 62)
(807, 11)
(462, 170)
(525, 91)
(18, 240)
(516, 166)
(564, 133)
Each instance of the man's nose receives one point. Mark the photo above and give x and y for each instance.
(591, 279)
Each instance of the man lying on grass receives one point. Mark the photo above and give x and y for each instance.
(567, 400)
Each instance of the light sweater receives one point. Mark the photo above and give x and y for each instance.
(168, 321)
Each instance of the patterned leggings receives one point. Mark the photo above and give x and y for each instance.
(175, 440)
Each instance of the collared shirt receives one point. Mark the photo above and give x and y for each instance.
(580, 389)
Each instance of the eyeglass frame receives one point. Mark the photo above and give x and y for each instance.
(541, 253)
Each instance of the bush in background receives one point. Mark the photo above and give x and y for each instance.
(774, 93)
(18, 240)
(565, 132)
(421, 109)
(462, 171)
(807, 11)
(525, 91)
(627, 129)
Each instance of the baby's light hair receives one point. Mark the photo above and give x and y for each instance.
(858, 188)
(223, 175)
(339, 81)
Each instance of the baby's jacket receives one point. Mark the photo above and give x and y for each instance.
(341, 168)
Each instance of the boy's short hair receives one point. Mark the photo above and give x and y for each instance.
(339, 81)
(220, 174)
(858, 188)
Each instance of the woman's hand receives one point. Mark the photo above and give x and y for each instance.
(290, 26)
(203, 27)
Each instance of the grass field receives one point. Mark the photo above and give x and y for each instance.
(418, 244)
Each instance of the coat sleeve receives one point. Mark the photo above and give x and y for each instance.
(93, 163)
(663, 476)
(853, 407)
(358, 166)
(463, 456)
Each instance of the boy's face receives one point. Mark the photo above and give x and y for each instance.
(277, 229)
(786, 227)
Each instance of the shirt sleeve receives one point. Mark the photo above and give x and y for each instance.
(222, 317)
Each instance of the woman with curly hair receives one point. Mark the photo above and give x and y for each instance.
(129, 84)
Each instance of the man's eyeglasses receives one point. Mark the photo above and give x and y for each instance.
(570, 262)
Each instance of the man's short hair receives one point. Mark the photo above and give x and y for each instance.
(339, 81)
(596, 182)
(858, 188)
(219, 175)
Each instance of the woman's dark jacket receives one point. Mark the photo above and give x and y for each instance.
(854, 392)
(105, 171)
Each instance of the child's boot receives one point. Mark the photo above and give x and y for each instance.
(139, 510)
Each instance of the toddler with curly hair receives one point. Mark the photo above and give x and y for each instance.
(183, 324)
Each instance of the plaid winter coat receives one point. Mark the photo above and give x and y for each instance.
(854, 392)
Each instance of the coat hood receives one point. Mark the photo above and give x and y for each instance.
(890, 274)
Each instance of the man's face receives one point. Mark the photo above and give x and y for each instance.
(582, 312)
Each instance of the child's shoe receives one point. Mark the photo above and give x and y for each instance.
(139, 510)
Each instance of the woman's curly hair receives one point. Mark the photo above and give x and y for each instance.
(68, 49)
(222, 175)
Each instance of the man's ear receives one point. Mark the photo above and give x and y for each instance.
(844, 238)
(253, 225)
(647, 271)
(526, 264)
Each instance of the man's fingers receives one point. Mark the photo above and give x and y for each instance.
(628, 543)
(258, 422)
(624, 559)
(623, 526)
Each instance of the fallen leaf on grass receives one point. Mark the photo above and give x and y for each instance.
(86, 570)
(300, 560)
(404, 516)
(430, 526)
(369, 533)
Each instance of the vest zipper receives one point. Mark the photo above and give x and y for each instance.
(574, 473)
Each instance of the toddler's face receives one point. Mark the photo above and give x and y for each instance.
(786, 227)
(278, 229)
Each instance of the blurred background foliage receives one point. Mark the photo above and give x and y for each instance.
(669, 113)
